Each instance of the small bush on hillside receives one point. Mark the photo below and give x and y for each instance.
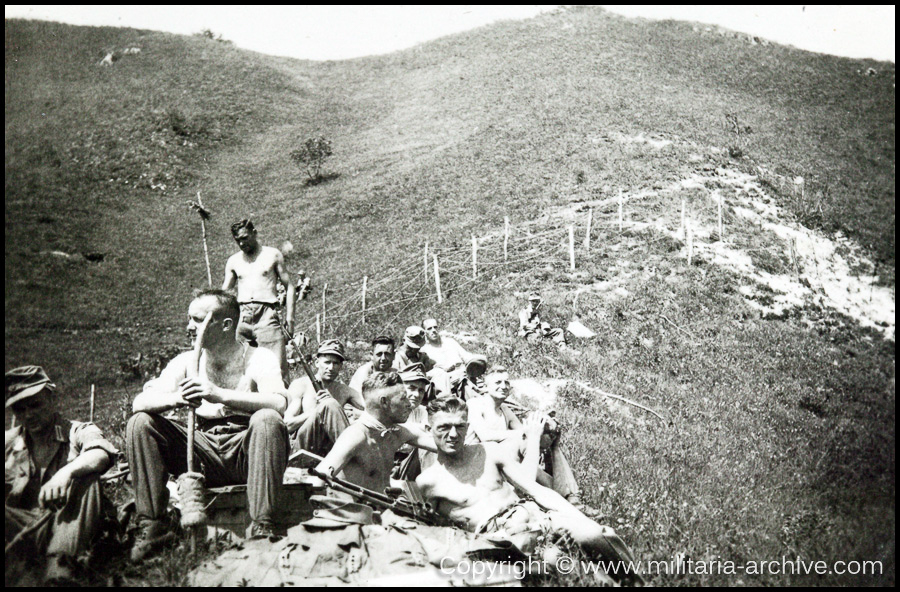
(209, 34)
(740, 132)
(311, 156)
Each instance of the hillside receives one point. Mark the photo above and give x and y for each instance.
(783, 423)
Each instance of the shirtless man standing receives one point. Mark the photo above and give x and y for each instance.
(255, 270)
(364, 453)
(316, 419)
(473, 485)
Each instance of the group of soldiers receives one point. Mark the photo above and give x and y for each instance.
(427, 411)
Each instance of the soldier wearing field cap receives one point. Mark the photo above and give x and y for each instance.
(411, 351)
(53, 467)
(533, 329)
(407, 460)
(314, 418)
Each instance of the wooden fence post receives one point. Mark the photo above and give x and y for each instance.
(318, 330)
(426, 262)
(92, 404)
(437, 280)
(690, 243)
(587, 234)
(365, 281)
(721, 227)
(572, 247)
(324, 290)
(620, 210)
(505, 237)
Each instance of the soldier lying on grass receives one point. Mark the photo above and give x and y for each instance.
(53, 467)
(473, 484)
(364, 452)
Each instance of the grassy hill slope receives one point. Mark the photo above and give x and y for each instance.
(782, 437)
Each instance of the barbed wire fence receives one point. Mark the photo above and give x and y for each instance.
(375, 303)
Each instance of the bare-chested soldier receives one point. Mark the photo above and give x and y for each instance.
(256, 271)
(473, 485)
(316, 419)
(491, 419)
(364, 452)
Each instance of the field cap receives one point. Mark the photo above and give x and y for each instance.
(25, 382)
(476, 366)
(331, 346)
(330, 512)
(534, 296)
(414, 372)
(414, 337)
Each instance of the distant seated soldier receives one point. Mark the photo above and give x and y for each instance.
(383, 352)
(411, 351)
(448, 355)
(241, 438)
(364, 452)
(491, 419)
(533, 329)
(475, 485)
(52, 465)
(316, 418)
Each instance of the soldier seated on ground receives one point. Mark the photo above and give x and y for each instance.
(364, 452)
(383, 352)
(315, 419)
(532, 328)
(492, 419)
(475, 485)
(449, 357)
(472, 383)
(53, 466)
(241, 437)
(408, 459)
(410, 352)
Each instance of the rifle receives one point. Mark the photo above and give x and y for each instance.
(317, 384)
(421, 511)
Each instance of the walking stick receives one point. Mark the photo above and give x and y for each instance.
(34, 525)
(190, 484)
(204, 214)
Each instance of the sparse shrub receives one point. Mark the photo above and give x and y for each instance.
(740, 133)
(311, 156)
(209, 34)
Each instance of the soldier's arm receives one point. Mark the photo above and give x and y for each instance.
(413, 434)
(284, 276)
(294, 415)
(230, 276)
(519, 478)
(163, 393)
(355, 398)
(342, 452)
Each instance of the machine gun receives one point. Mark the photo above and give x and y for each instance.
(415, 509)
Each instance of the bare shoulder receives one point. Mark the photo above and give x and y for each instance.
(494, 452)
(273, 253)
(427, 479)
